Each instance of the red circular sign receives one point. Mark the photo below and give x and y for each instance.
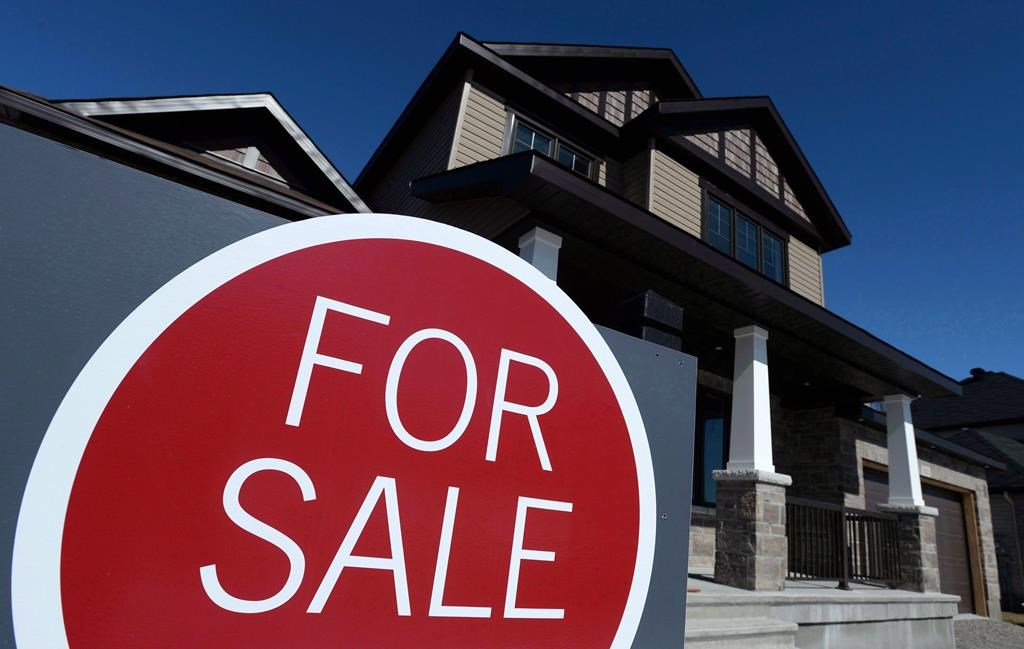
(374, 432)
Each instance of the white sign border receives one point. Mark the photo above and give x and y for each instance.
(35, 572)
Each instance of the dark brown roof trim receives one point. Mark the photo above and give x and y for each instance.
(875, 419)
(555, 50)
(760, 113)
(174, 162)
(504, 176)
(463, 52)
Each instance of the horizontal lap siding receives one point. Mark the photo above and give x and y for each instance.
(805, 271)
(767, 171)
(737, 150)
(675, 193)
(616, 102)
(482, 132)
(791, 201)
(706, 141)
(427, 153)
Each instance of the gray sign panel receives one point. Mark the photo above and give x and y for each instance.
(83, 241)
(664, 383)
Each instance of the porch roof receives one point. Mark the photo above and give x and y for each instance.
(814, 351)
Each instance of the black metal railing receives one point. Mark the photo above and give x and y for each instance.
(848, 545)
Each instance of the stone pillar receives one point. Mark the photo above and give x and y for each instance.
(540, 248)
(750, 539)
(919, 557)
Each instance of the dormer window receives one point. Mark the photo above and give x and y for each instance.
(527, 137)
(744, 239)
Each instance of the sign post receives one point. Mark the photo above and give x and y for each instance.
(355, 431)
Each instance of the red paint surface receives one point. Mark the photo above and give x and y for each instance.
(211, 394)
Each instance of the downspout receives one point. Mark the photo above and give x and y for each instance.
(1016, 537)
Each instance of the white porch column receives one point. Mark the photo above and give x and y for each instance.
(540, 248)
(750, 448)
(904, 472)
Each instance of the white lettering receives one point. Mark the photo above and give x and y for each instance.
(444, 549)
(344, 557)
(531, 412)
(311, 357)
(520, 554)
(391, 390)
(259, 529)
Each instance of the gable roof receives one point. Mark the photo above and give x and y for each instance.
(658, 66)
(672, 119)
(988, 398)
(38, 115)
(1009, 451)
(104, 109)
(514, 66)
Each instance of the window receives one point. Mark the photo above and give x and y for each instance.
(730, 231)
(526, 137)
(711, 442)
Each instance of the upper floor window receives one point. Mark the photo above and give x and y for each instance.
(738, 236)
(527, 137)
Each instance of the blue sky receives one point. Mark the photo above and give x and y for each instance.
(909, 112)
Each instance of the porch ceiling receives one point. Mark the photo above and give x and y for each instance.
(813, 345)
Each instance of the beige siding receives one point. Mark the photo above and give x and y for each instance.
(482, 130)
(675, 193)
(767, 171)
(706, 141)
(737, 150)
(805, 271)
(791, 201)
(616, 102)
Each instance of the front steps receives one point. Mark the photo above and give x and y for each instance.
(711, 624)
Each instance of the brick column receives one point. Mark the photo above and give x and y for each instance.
(919, 556)
(750, 538)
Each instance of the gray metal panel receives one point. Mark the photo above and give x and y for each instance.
(83, 241)
(664, 383)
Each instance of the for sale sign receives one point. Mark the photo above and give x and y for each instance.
(355, 431)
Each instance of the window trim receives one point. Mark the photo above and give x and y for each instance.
(515, 116)
(735, 208)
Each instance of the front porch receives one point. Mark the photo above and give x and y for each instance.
(816, 615)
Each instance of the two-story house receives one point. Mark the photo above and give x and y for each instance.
(698, 223)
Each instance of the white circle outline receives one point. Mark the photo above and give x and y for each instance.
(35, 571)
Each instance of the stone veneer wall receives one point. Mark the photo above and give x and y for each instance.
(870, 444)
(702, 541)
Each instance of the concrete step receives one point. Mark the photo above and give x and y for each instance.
(739, 633)
(702, 608)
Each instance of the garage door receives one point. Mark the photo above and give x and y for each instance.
(950, 534)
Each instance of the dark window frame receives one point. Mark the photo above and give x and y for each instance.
(558, 143)
(709, 193)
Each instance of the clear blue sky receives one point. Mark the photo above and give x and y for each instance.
(910, 113)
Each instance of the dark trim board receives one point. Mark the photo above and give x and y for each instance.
(38, 116)
(730, 293)
(660, 63)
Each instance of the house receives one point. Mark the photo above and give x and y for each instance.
(699, 223)
(242, 147)
(989, 418)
